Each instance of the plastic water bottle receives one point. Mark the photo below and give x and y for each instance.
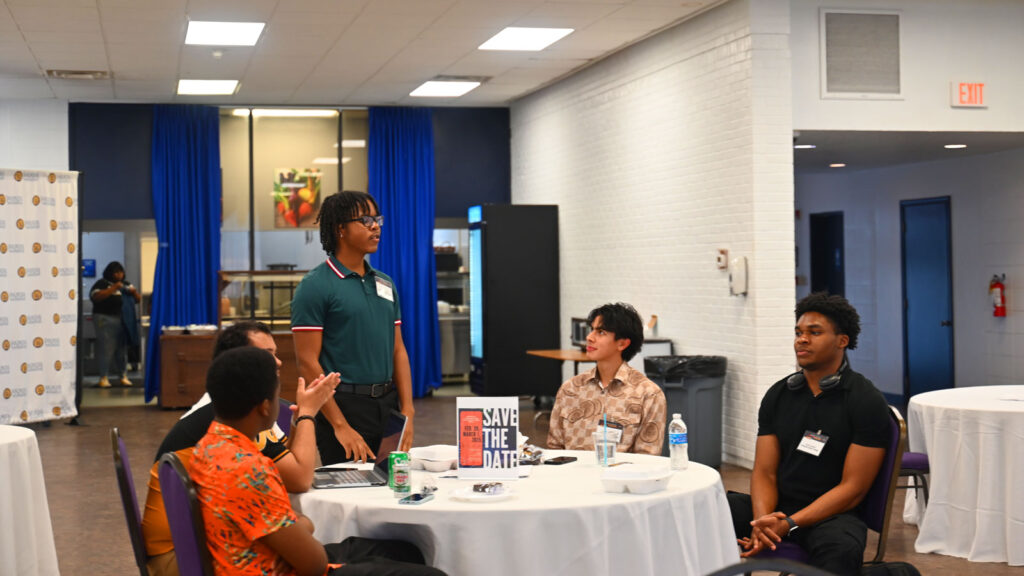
(678, 448)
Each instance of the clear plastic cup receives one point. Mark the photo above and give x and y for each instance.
(605, 452)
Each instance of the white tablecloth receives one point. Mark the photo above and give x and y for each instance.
(974, 438)
(26, 536)
(559, 521)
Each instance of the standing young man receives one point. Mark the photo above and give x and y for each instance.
(821, 439)
(634, 406)
(346, 319)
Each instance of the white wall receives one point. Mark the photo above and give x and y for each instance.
(951, 40)
(34, 134)
(659, 156)
(986, 202)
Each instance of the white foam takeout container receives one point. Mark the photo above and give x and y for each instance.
(636, 479)
(436, 458)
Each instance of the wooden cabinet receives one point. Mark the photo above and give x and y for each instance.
(184, 360)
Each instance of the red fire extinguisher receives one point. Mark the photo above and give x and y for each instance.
(997, 290)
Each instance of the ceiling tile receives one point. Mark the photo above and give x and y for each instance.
(83, 89)
(41, 17)
(566, 15)
(322, 6)
(198, 62)
(231, 10)
(145, 32)
(491, 16)
(24, 88)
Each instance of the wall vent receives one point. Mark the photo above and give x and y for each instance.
(860, 54)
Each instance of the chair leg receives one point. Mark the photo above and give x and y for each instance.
(923, 485)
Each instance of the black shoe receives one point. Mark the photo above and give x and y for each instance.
(73, 422)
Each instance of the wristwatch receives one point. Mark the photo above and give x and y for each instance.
(792, 524)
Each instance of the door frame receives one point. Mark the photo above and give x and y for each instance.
(947, 202)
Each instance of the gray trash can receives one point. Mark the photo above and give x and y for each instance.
(693, 388)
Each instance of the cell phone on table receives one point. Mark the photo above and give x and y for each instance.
(560, 460)
(416, 498)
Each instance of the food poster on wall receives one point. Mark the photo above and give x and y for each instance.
(487, 433)
(296, 197)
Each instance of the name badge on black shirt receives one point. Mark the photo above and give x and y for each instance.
(813, 443)
(384, 290)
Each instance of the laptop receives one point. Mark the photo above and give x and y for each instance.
(333, 477)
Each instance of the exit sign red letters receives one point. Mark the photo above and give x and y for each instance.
(967, 95)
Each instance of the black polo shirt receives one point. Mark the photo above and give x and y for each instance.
(854, 412)
(187, 432)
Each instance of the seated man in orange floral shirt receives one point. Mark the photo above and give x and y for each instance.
(250, 525)
(634, 406)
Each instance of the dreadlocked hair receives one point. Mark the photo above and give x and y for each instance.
(338, 208)
(837, 309)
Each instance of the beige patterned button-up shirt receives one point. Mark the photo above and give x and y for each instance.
(630, 400)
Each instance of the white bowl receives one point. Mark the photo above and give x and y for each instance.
(638, 480)
(437, 465)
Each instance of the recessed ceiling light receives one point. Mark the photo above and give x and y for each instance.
(955, 146)
(804, 146)
(286, 112)
(207, 87)
(837, 165)
(223, 33)
(527, 39)
(443, 89)
(353, 143)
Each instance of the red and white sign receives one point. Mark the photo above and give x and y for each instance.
(967, 95)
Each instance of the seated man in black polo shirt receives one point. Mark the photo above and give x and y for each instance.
(821, 439)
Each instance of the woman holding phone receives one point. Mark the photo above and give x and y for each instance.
(107, 296)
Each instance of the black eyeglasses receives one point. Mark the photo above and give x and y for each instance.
(369, 221)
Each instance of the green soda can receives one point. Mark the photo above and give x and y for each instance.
(399, 473)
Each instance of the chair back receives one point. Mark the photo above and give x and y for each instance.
(129, 500)
(184, 517)
(876, 508)
(284, 417)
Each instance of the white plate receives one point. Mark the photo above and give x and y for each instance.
(466, 494)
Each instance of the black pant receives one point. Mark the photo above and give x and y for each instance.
(835, 544)
(366, 415)
(367, 557)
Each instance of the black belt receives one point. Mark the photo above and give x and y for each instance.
(372, 390)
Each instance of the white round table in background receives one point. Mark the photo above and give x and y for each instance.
(974, 438)
(26, 535)
(559, 520)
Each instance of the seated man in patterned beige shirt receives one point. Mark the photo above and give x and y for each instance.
(635, 406)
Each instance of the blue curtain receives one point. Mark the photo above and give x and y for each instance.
(401, 179)
(187, 206)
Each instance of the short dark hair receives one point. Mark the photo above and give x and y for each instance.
(622, 320)
(837, 309)
(336, 209)
(111, 269)
(239, 380)
(237, 335)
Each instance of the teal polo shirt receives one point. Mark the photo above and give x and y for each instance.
(356, 317)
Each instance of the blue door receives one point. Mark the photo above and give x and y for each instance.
(927, 296)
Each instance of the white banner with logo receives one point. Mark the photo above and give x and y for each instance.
(38, 294)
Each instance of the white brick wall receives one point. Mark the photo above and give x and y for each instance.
(34, 134)
(659, 156)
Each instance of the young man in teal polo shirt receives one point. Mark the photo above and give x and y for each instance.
(346, 319)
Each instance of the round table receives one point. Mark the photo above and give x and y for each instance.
(26, 536)
(974, 438)
(559, 520)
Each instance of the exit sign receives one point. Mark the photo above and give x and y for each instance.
(967, 95)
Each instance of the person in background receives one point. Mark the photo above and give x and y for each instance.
(633, 405)
(821, 438)
(250, 525)
(294, 455)
(346, 318)
(108, 295)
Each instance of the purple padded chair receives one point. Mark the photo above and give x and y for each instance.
(129, 500)
(284, 417)
(915, 465)
(184, 517)
(875, 509)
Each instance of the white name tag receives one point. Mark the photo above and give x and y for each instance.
(813, 443)
(614, 434)
(384, 290)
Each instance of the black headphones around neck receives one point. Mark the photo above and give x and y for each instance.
(797, 381)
